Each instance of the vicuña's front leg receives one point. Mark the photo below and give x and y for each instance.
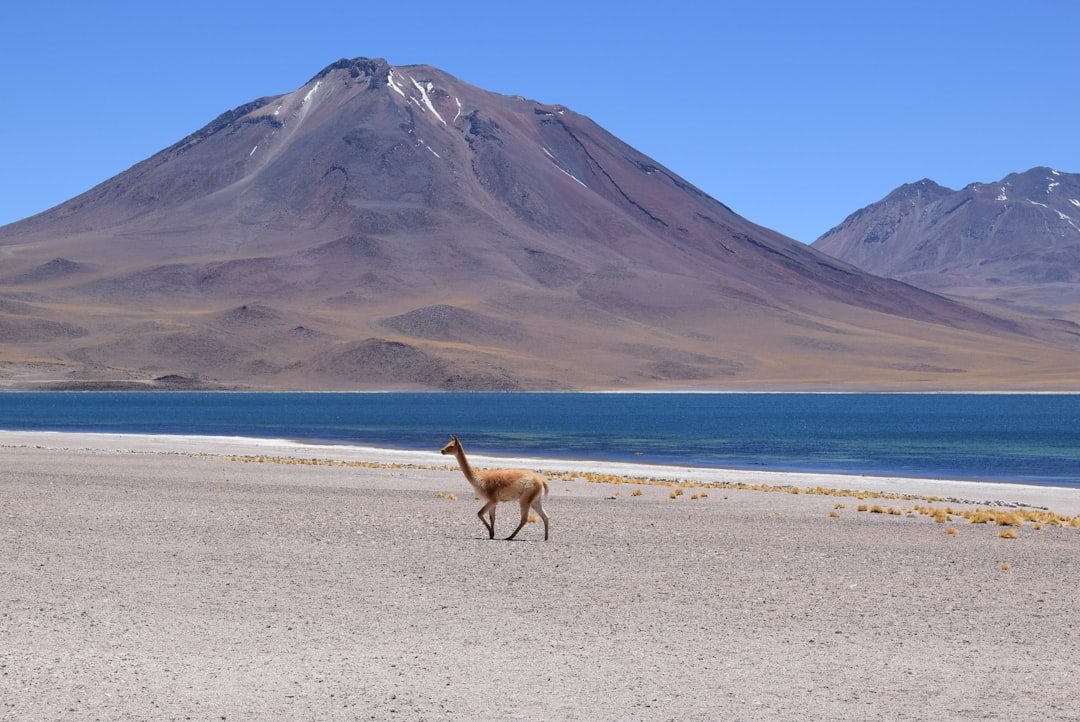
(489, 508)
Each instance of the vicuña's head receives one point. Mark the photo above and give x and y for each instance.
(452, 447)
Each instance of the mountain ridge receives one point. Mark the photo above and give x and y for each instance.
(1013, 242)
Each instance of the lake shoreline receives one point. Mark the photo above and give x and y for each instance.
(1061, 499)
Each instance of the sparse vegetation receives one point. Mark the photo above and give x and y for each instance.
(1013, 517)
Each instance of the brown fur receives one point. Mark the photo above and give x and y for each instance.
(527, 487)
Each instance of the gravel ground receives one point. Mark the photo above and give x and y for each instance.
(146, 582)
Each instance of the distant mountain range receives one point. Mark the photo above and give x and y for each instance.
(1013, 242)
(396, 228)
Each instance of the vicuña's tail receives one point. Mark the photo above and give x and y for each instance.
(544, 482)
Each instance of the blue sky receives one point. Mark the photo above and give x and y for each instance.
(794, 114)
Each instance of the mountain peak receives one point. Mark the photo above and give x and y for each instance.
(376, 68)
(924, 188)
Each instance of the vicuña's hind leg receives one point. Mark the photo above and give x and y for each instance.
(489, 508)
(525, 502)
(539, 506)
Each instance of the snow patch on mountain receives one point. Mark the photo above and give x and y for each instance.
(424, 88)
(393, 84)
(558, 165)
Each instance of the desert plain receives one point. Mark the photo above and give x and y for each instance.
(199, 578)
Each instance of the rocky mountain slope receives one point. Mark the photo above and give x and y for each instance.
(395, 227)
(1015, 241)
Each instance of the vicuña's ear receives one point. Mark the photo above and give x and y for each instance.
(453, 437)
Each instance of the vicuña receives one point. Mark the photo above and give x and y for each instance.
(497, 485)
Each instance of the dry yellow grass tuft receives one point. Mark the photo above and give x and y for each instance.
(1009, 519)
(953, 531)
(834, 513)
(940, 515)
(1007, 534)
(1006, 566)
(637, 492)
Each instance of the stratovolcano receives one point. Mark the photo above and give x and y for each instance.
(394, 227)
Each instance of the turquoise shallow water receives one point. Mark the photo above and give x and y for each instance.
(1012, 438)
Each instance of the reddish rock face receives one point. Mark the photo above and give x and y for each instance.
(395, 227)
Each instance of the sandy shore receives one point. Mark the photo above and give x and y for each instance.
(173, 578)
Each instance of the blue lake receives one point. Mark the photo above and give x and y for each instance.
(1009, 437)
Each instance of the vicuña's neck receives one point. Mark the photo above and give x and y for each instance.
(466, 468)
